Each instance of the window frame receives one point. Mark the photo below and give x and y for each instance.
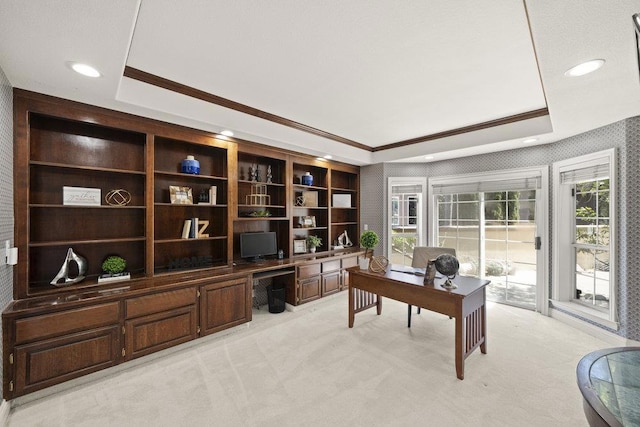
(563, 271)
(421, 208)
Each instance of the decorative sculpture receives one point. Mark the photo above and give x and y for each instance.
(64, 270)
(269, 175)
(378, 264)
(118, 197)
(344, 241)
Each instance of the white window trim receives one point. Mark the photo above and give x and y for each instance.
(542, 216)
(562, 292)
(422, 204)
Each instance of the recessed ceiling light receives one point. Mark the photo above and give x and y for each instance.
(584, 68)
(328, 156)
(226, 133)
(529, 141)
(85, 70)
(428, 157)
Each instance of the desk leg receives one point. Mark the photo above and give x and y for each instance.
(352, 313)
(379, 305)
(459, 349)
(483, 316)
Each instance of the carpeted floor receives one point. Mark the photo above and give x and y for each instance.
(308, 368)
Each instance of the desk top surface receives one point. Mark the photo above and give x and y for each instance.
(400, 274)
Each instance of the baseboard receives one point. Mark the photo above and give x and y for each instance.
(5, 408)
(595, 331)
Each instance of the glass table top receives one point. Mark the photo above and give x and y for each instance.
(615, 379)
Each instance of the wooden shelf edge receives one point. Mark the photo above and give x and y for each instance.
(86, 168)
(85, 242)
(189, 175)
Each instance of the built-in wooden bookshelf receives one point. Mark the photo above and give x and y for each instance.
(180, 288)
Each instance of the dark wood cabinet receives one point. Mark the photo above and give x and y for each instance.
(158, 321)
(58, 346)
(180, 288)
(224, 304)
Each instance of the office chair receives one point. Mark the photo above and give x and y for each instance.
(421, 256)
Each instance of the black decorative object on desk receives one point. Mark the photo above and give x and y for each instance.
(447, 265)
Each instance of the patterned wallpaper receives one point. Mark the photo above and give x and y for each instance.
(6, 192)
(623, 135)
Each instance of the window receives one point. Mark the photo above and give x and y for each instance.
(406, 228)
(584, 247)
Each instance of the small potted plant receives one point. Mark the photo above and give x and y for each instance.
(368, 239)
(313, 242)
(113, 267)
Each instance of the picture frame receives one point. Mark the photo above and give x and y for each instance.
(81, 196)
(180, 195)
(300, 246)
(342, 200)
(307, 221)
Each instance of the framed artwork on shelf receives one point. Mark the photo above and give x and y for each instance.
(342, 200)
(81, 196)
(300, 246)
(306, 221)
(180, 195)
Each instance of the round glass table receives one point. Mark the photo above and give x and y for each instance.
(609, 381)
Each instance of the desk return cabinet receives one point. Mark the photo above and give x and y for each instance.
(321, 277)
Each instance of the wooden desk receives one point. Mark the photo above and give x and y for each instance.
(467, 303)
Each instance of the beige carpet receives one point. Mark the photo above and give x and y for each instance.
(308, 368)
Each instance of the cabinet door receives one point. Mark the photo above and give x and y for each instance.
(224, 304)
(158, 321)
(148, 334)
(330, 283)
(309, 289)
(45, 363)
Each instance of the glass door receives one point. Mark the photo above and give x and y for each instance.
(494, 226)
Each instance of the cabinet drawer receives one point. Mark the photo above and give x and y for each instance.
(333, 265)
(156, 303)
(351, 261)
(308, 270)
(53, 361)
(65, 322)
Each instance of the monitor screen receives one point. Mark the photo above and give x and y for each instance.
(256, 246)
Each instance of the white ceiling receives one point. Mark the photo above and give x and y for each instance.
(371, 72)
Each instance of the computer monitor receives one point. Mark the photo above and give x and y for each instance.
(256, 246)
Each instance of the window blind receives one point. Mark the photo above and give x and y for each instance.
(525, 183)
(591, 173)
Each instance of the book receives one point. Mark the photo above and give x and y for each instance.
(186, 228)
(213, 194)
(193, 230)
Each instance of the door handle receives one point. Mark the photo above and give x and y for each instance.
(538, 243)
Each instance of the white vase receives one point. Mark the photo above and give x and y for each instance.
(363, 263)
(312, 249)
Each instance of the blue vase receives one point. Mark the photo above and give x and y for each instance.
(307, 179)
(191, 165)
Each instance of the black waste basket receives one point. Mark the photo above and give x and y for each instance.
(275, 297)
